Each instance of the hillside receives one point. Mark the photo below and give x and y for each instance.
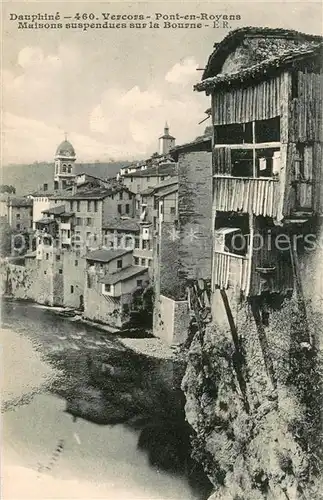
(30, 177)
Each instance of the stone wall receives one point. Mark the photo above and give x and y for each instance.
(253, 391)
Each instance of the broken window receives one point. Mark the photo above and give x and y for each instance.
(267, 130)
(235, 133)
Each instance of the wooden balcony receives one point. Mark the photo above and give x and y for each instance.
(258, 196)
(231, 270)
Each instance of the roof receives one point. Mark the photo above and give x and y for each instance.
(155, 171)
(55, 210)
(118, 223)
(65, 149)
(166, 192)
(284, 59)
(235, 38)
(20, 202)
(123, 275)
(199, 144)
(45, 220)
(90, 194)
(167, 136)
(226, 230)
(101, 255)
(30, 255)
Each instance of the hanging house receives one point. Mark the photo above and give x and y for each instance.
(266, 105)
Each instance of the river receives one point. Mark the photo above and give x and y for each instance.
(75, 405)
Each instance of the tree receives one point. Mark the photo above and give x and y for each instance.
(9, 189)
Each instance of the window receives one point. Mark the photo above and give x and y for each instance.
(127, 208)
(150, 262)
(47, 256)
(95, 205)
(107, 288)
(119, 241)
(31, 212)
(172, 210)
(144, 244)
(64, 168)
(148, 179)
(138, 188)
(143, 262)
(60, 271)
(267, 130)
(77, 206)
(69, 170)
(89, 206)
(136, 261)
(120, 195)
(128, 241)
(139, 282)
(236, 133)
(76, 263)
(58, 257)
(89, 221)
(131, 179)
(119, 264)
(17, 216)
(137, 242)
(120, 209)
(71, 206)
(78, 222)
(72, 289)
(45, 272)
(162, 177)
(138, 204)
(155, 204)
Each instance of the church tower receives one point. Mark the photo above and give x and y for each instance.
(166, 142)
(64, 165)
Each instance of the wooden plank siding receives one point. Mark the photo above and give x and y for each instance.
(247, 103)
(247, 195)
(306, 109)
(267, 255)
(230, 271)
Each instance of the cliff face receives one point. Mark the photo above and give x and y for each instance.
(252, 398)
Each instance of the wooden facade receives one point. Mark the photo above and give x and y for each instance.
(243, 104)
(231, 271)
(294, 192)
(243, 195)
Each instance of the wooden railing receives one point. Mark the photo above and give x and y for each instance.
(258, 196)
(231, 270)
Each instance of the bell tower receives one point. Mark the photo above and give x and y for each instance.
(166, 141)
(64, 165)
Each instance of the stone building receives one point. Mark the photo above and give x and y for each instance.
(166, 141)
(110, 282)
(183, 238)
(20, 213)
(64, 165)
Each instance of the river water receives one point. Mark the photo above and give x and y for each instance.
(73, 400)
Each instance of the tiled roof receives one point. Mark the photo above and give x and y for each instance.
(123, 275)
(91, 194)
(156, 171)
(101, 255)
(167, 191)
(46, 220)
(235, 37)
(20, 202)
(54, 210)
(284, 59)
(118, 223)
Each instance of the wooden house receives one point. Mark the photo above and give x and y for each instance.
(266, 105)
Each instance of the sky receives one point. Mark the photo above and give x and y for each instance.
(112, 90)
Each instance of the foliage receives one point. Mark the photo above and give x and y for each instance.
(5, 188)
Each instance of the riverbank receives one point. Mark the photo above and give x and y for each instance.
(113, 406)
(145, 344)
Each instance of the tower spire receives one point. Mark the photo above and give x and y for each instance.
(65, 136)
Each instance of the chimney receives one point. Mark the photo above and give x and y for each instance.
(45, 186)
